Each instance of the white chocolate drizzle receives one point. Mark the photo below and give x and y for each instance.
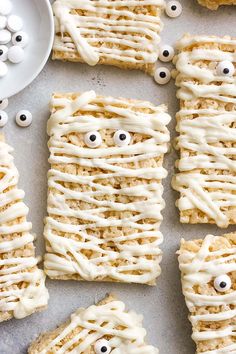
(200, 268)
(21, 301)
(133, 39)
(124, 330)
(65, 256)
(209, 132)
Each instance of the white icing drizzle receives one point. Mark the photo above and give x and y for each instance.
(64, 256)
(124, 329)
(26, 300)
(202, 267)
(208, 127)
(138, 32)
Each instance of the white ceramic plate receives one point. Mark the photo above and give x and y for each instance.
(38, 23)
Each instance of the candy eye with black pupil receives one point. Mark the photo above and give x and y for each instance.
(24, 118)
(93, 139)
(21, 39)
(162, 76)
(122, 138)
(102, 347)
(3, 52)
(222, 283)
(166, 53)
(3, 118)
(3, 104)
(173, 9)
(225, 68)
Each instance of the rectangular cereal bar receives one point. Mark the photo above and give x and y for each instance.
(104, 188)
(106, 327)
(206, 123)
(22, 284)
(123, 33)
(208, 274)
(214, 4)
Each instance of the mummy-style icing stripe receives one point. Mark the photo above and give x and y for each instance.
(202, 272)
(124, 330)
(111, 24)
(65, 255)
(211, 135)
(15, 236)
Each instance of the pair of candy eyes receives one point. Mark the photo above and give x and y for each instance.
(102, 347)
(222, 283)
(23, 118)
(93, 139)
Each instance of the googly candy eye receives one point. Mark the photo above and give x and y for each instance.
(222, 283)
(3, 104)
(5, 7)
(24, 118)
(122, 138)
(162, 75)
(3, 22)
(3, 118)
(20, 38)
(3, 52)
(93, 139)
(3, 69)
(15, 54)
(14, 23)
(173, 9)
(225, 68)
(102, 347)
(166, 53)
(5, 36)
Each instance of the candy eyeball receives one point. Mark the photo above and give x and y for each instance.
(15, 54)
(93, 139)
(173, 9)
(5, 7)
(222, 283)
(3, 104)
(3, 118)
(3, 52)
(14, 23)
(3, 69)
(166, 53)
(102, 347)
(24, 118)
(3, 22)
(162, 75)
(5, 36)
(122, 138)
(21, 39)
(225, 68)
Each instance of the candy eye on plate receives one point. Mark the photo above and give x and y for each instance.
(122, 138)
(93, 139)
(3, 118)
(24, 118)
(225, 68)
(173, 9)
(162, 75)
(222, 283)
(102, 347)
(21, 39)
(3, 104)
(3, 52)
(166, 53)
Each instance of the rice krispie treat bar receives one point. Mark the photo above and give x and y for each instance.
(22, 284)
(105, 191)
(103, 328)
(124, 33)
(206, 123)
(214, 4)
(208, 273)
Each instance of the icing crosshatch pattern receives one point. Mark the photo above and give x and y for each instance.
(105, 192)
(22, 289)
(206, 123)
(121, 33)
